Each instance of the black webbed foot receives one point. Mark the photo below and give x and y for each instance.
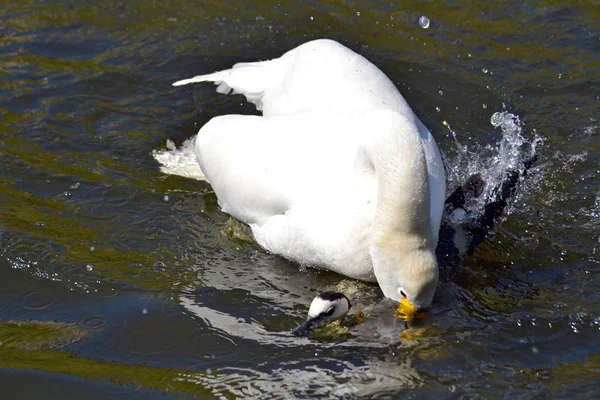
(472, 188)
(459, 238)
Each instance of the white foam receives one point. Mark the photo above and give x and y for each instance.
(180, 161)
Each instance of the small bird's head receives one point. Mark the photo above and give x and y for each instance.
(326, 307)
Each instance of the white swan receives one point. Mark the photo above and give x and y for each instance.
(338, 173)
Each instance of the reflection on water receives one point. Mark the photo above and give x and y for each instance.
(176, 302)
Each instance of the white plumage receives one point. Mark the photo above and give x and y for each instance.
(338, 173)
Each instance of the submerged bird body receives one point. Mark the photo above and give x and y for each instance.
(338, 173)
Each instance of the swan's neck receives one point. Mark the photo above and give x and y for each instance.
(402, 213)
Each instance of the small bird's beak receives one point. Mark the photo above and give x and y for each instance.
(305, 328)
(408, 312)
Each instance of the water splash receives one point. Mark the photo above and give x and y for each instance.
(493, 161)
(424, 22)
(180, 161)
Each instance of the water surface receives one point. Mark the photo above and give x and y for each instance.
(154, 298)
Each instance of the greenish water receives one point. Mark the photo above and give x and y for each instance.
(153, 293)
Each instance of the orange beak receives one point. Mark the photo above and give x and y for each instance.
(408, 312)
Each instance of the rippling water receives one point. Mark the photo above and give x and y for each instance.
(153, 292)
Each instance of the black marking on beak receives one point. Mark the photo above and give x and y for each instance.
(312, 323)
(305, 328)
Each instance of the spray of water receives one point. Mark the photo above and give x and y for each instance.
(492, 161)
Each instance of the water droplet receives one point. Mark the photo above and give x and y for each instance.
(40, 224)
(89, 267)
(424, 22)
(92, 248)
(484, 105)
(535, 350)
(441, 93)
(484, 70)
(67, 194)
(144, 311)
(311, 18)
(166, 197)
(75, 185)
(358, 13)
(437, 109)
(519, 322)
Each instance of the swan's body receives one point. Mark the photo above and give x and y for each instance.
(338, 173)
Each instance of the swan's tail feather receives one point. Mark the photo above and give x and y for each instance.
(253, 80)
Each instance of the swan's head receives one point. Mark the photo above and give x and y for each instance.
(326, 307)
(406, 274)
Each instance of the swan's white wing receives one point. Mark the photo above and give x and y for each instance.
(302, 183)
(318, 76)
(305, 183)
(261, 167)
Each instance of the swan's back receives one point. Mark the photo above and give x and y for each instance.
(325, 76)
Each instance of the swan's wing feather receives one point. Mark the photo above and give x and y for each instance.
(253, 80)
(261, 167)
(318, 76)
